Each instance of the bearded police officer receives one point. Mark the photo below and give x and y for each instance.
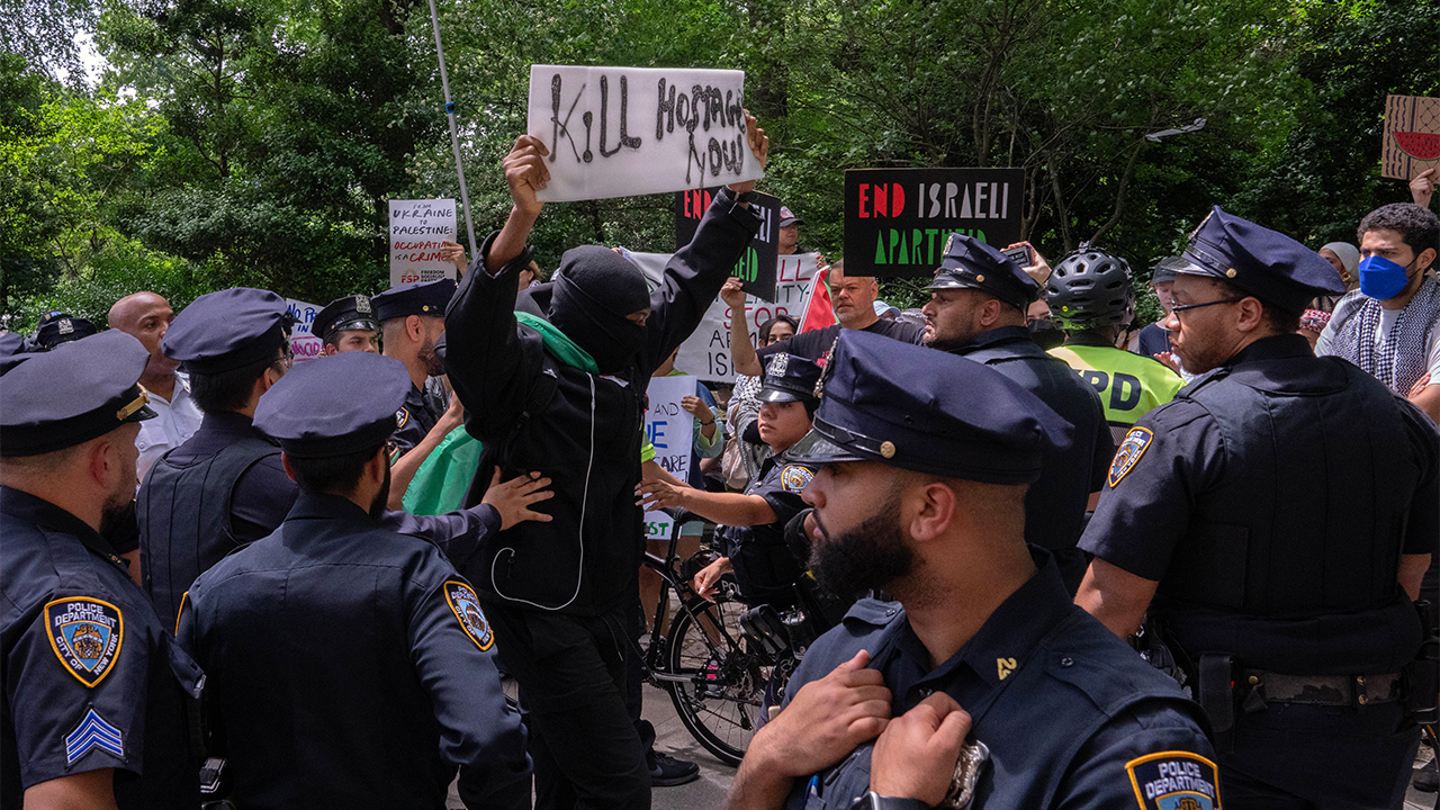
(380, 650)
(1233, 513)
(977, 310)
(413, 317)
(91, 712)
(347, 324)
(926, 459)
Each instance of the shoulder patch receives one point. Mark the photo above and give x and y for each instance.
(86, 635)
(1174, 780)
(1129, 453)
(466, 606)
(93, 732)
(795, 478)
(402, 416)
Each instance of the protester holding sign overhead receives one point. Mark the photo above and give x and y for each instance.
(563, 394)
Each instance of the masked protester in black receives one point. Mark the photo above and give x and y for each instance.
(560, 594)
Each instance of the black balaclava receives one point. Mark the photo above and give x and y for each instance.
(594, 289)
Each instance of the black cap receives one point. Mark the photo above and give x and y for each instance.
(1264, 263)
(352, 312)
(787, 217)
(1166, 269)
(790, 378)
(416, 298)
(972, 264)
(71, 394)
(344, 405)
(229, 329)
(59, 327)
(929, 411)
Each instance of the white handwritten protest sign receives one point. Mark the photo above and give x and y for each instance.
(305, 345)
(618, 131)
(417, 227)
(706, 353)
(671, 429)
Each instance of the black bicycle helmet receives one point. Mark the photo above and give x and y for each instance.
(1090, 288)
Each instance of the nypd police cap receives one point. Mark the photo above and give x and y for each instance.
(229, 329)
(1264, 263)
(345, 404)
(790, 378)
(59, 327)
(76, 392)
(351, 312)
(972, 264)
(416, 298)
(929, 411)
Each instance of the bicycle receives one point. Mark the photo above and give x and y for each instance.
(714, 674)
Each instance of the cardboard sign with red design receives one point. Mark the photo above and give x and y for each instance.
(1412, 136)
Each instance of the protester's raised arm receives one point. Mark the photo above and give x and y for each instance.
(525, 174)
(696, 272)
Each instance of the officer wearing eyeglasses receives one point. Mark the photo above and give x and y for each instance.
(1233, 514)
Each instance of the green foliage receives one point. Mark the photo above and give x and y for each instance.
(257, 142)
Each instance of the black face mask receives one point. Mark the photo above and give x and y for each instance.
(594, 290)
(1046, 334)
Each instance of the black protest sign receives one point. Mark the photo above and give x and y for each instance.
(756, 268)
(897, 220)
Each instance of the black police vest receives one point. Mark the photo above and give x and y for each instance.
(184, 515)
(1290, 564)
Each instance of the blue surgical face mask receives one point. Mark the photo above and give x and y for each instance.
(1381, 278)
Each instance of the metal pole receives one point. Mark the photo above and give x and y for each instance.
(454, 134)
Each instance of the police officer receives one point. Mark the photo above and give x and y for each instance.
(926, 461)
(1283, 589)
(752, 531)
(977, 309)
(347, 324)
(224, 487)
(91, 710)
(57, 327)
(379, 649)
(560, 595)
(413, 317)
(1091, 299)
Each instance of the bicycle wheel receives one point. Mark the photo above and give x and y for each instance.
(719, 697)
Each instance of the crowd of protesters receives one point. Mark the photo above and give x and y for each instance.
(1087, 561)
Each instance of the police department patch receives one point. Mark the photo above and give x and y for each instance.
(1174, 780)
(401, 417)
(1129, 452)
(466, 605)
(795, 478)
(86, 635)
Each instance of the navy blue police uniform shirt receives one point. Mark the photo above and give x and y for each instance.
(1196, 527)
(764, 566)
(382, 682)
(414, 420)
(93, 680)
(1072, 717)
(1055, 504)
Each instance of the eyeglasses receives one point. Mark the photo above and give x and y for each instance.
(1178, 308)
